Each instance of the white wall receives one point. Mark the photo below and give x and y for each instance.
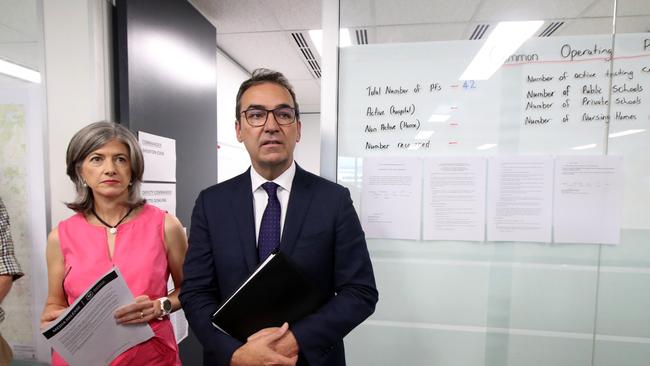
(307, 153)
(78, 93)
(75, 81)
(232, 158)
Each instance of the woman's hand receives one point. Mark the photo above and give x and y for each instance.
(142, 310)
(49, 315)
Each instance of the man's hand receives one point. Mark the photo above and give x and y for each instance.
(260, 348)
(287, 345)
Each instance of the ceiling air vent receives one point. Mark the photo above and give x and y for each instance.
(479, 31)
(362, 36)
(307, 54)
(550, 29)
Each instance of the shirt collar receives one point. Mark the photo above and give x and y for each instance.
(284, 180)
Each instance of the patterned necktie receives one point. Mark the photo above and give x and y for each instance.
(269, 238)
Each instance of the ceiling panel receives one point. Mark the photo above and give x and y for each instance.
(637, 24)
(633, 7)
(11, 35)
(357, 13)
(594, 26)
(390, 12)
(238, 16)
(297, 14)
(19, 33)
(273, 50)
(21, 17)
(231, 16)
(420, 33)
(605, 8)
(600, 8)
(511, 10)
(276, 51)
(25, 54)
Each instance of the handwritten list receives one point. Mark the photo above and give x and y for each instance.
(565, 88)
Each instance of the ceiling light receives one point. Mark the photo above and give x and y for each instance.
(625, 133)
(506, 38)
(344, 38)
(20, 72)
(439, 117)
(316, 36)
(485, 146)
(584, 147)
(423, 135)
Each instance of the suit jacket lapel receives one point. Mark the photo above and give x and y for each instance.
(299, 201)
(242, 207)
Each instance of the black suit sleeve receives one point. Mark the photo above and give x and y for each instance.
(354, 282)
(200, 288)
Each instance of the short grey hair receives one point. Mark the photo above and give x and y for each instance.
(261, 76)
(91, 138)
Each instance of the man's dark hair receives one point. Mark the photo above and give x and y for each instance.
(261, 76)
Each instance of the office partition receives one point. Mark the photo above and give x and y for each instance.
(573, 91)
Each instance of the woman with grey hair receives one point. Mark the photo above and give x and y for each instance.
(114, 227)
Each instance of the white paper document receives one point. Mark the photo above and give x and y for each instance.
(180, 325)
(519, 202)
(161, 195)
(588, 196)
(391, 197)
(87, 333)
(454, 199)
(159, 157)
(177, 318)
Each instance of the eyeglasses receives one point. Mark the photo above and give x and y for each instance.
(257, 117)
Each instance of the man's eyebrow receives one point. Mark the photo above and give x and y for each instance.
(259, 106)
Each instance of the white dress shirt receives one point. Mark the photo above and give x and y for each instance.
(261, 198)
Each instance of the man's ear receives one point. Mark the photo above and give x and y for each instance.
(238, 130)
(298, 126)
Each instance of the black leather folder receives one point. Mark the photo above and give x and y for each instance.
(275, 293)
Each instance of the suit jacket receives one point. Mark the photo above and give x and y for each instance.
(323, 236)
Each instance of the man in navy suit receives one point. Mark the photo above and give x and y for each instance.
(319, 231)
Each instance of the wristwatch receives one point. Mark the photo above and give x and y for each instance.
(165, 306)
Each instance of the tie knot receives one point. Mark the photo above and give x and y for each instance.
(270, 188)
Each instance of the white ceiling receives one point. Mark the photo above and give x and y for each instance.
(257, 33)
(20, 32)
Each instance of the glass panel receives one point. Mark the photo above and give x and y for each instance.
(22, 122)
(623, 325)
(488, 302)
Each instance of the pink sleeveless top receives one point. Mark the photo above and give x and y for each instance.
(141, 257)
